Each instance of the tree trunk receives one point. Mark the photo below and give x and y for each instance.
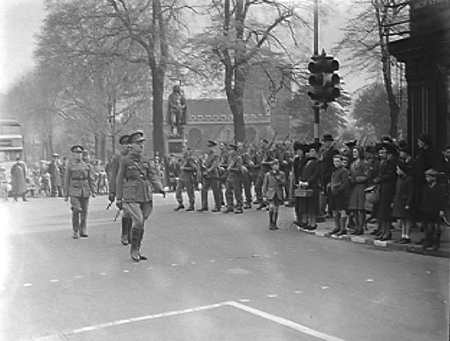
(158, 101)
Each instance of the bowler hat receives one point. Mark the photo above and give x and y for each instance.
(135, 137)
(77, 149)
(327, 137)
(124, 139)
(314, 145)
(351, 144)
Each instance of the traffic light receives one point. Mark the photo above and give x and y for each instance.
(323, 80)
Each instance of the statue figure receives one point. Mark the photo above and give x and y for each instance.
(177, 111)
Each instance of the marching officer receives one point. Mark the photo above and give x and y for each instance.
(79, 186)
(115, 163)
(186, 181)
(234, 181)
(211, 178)
(136, 181)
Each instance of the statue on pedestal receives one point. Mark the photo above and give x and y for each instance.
(177, 112)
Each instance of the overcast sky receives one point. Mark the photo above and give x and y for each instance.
(20, 21)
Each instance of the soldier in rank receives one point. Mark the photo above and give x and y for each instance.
(211, 178)
(79, 186)
(234, 181)
(186, 181)
(135, 184)
(125, 237)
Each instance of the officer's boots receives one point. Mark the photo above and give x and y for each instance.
(141, 236)
(275, 219)
(437, 241)
(271, 220)
(124, 238)
(135, 244)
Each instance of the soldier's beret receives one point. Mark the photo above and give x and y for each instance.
(232, 146)
(77, 149)
(124, 139)
(212, 143)
(265, 140)
(136, 137)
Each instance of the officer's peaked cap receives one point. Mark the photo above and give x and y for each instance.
(124, 139)
(137, 136)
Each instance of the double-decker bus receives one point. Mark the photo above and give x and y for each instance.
(11, 142)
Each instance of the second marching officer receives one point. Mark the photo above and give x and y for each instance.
(135, 184)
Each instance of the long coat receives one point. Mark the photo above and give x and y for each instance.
(359, 177)
(18, 178)
(387, 179)
(274, 183)
(404, 196)
(311, 173)
(55, 174)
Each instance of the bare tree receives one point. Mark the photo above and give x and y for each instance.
(367, 37)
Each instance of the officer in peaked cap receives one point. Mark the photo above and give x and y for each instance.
(135, 184)
(124, 141)
(79, 185)
(211, 178)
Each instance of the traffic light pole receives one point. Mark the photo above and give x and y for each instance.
(316, 53)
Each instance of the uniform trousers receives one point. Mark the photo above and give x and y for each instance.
(233, 185)
(138, 212)
(79, 207)
(189, 186)
(247, 182)
(214, 184)
(258, 185)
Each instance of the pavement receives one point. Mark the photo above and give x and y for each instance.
(324, 229)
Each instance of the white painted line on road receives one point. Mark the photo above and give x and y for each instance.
(54, 280)
(284, 322)
(369, 280)
(27, 284)
(144, 318)
(244, 300)
(78, 277)
(193, 263)
(298, 292)
(102, 273)
(272, 295)
(126, 270)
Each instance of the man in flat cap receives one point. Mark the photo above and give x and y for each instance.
(79, 186)
(136, 181)
(125, 237)
(54, 169)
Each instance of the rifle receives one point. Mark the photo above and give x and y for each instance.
(273, 140)
(117, 215)
(109, 205)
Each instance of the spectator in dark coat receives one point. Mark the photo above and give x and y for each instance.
(402, 206)
(433, 207)
(18, 180)
(310, 180)
(424, 161)
(298, 164)
(386, 179)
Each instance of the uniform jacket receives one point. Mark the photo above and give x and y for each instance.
(188, 168)
(115, 164)
(274, 182)
(211, 170)
(136, 180)
(234, 166)
(80, 180)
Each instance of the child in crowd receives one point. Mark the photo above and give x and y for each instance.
(273, 188)
(402, 206)
(46, 185)
(433, 206)
(339, 189)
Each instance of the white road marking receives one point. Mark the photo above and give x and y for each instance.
(369, 280)
(27, 284)
(126, 270)
(272, 295)
(78, 277)
(284, 322)
(257, 312)
(54, 280)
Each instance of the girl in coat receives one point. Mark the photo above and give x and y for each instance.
(338, 188)
(273, 187)
(402, 206)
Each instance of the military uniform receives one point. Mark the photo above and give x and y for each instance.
(115, 164)
(186, 181)
(79, 185)
(211, 179)
(234, 182)
(135, 183)
(247, 179)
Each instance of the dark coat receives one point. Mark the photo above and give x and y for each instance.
(403, 197)
(311, 174)
(18, 178)
(387, 179)
(433, 200)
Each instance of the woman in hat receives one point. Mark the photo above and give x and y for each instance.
(309, 180)
(359, 177)
(402, 205)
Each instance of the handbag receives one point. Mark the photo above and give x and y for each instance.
(372, 194)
